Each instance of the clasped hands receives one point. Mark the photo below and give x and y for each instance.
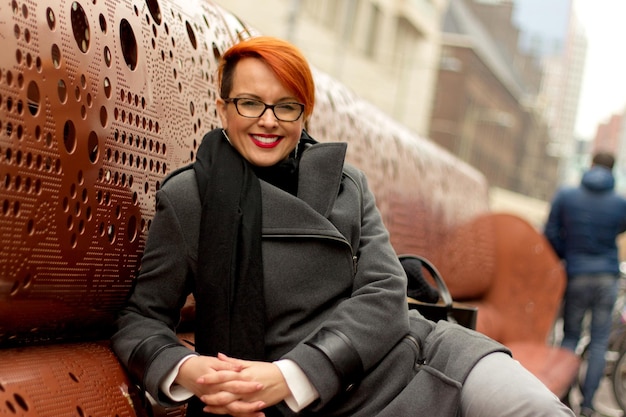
(233, 386)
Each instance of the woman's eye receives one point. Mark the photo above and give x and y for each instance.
(287, 107)
(249, 103)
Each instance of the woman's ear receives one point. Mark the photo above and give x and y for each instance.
(221, 106)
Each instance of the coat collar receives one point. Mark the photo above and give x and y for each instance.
(320, 175)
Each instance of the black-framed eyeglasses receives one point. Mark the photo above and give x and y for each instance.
(252, 108)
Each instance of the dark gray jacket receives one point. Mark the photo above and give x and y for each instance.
(335, 296)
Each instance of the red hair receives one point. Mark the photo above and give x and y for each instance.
(286, 61)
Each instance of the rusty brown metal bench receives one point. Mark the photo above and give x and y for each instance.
(505, 267)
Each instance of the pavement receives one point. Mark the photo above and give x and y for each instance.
(604, 403)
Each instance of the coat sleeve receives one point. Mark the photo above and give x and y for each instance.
(362, 329)
(145, 340)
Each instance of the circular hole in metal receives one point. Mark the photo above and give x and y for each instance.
(103, 116)
(50, 18)
(155, 10)
(62, 91)
(107, 87)
(56, 56)
(111, 233)
(20, 402)
(192, 35)
(216, 52)
(69, 136)
(80, 26)
(103, 23)
(132, 228)
(14, 289)
(28, 279)
(129, 44)
(93, 147)
(33, 98)
(107, 56)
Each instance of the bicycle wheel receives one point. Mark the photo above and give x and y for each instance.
(618, 379)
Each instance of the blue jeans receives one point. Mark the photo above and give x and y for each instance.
(595, 294)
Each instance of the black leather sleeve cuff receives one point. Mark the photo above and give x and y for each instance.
(339, 350)
(145, 352)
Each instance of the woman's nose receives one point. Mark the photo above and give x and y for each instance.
(268, 118)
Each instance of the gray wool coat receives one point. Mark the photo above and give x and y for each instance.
(327, 263)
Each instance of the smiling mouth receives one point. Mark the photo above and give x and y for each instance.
(266, 141)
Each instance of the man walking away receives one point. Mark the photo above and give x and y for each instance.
(582, 227)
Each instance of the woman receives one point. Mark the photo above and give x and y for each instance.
(300, 297)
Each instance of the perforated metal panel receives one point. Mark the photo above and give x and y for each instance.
(99, 100)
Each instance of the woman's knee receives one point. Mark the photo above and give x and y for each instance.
(499, 386)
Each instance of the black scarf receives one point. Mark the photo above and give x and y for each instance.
(230, 305)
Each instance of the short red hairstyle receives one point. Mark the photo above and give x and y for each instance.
(285, 60)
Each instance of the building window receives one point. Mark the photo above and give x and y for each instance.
(372, 32)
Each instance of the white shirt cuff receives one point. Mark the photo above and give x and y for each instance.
(172, 390)
(303, 392)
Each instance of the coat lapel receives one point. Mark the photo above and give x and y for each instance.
(320, 175)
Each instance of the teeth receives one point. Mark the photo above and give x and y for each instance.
(265, 139)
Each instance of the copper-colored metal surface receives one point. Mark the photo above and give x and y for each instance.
(99, 100)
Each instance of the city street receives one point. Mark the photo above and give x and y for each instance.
(605, 401)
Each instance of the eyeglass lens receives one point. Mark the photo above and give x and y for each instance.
(287, 112)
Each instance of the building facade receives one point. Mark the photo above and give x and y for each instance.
(386, 51)
(486, 108)
(451, 71)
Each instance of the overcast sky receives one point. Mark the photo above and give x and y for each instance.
(604, 82)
